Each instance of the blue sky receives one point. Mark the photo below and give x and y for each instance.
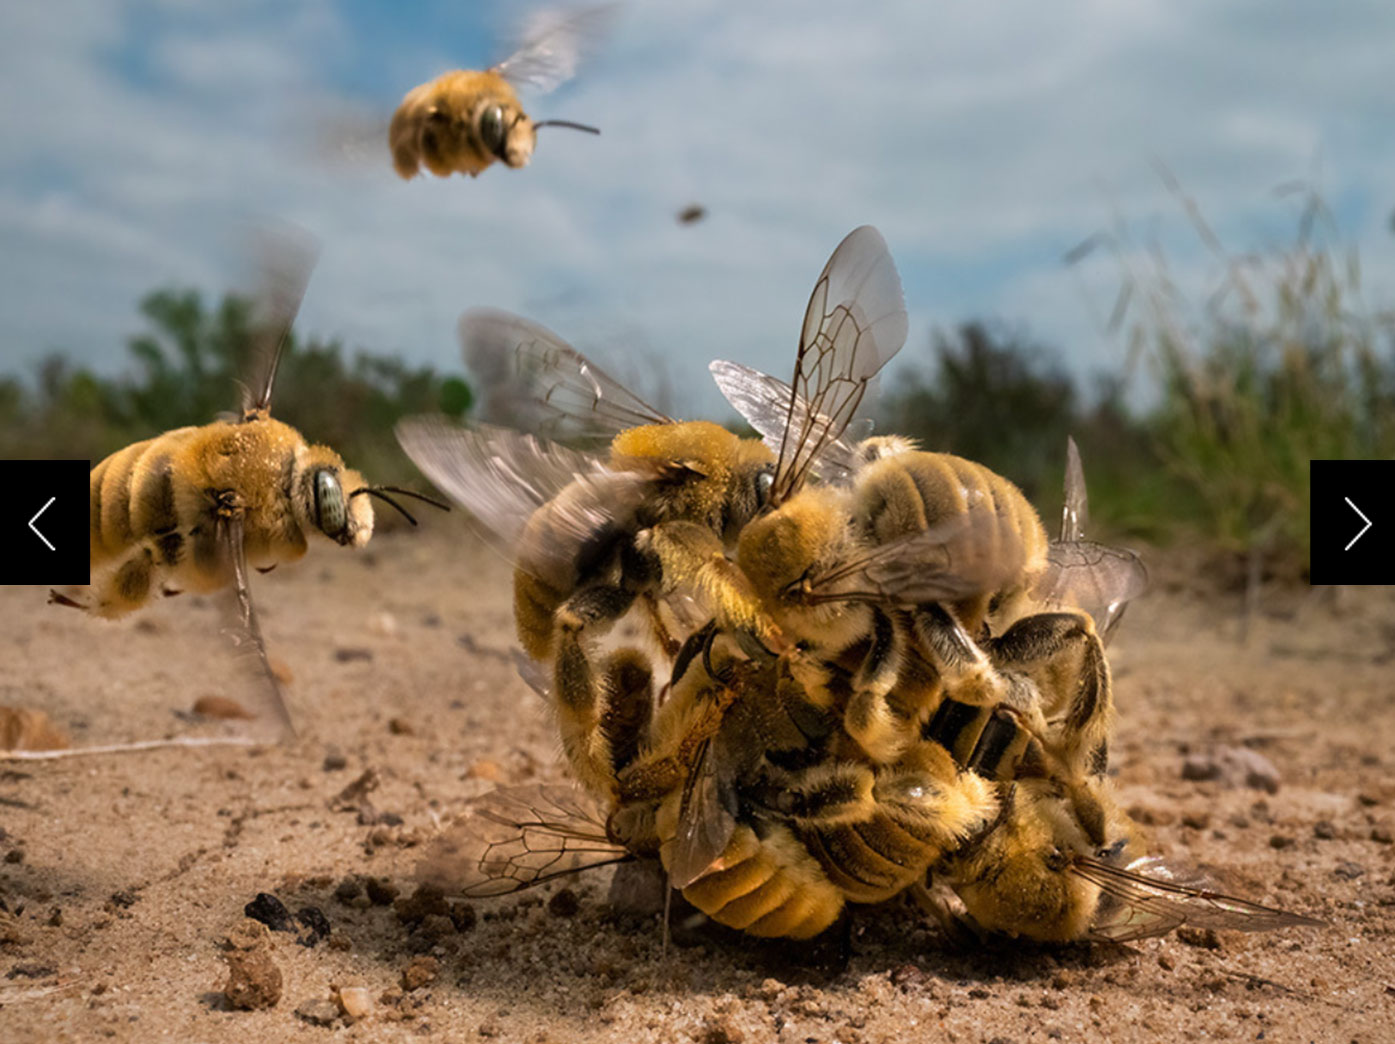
(143, 139)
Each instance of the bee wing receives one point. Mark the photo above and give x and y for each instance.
(764, 402)
(1075, 509)
(553, 44)
(1152, 896)
(706, 820)
(1097, 578)
(539, 382)
(502, 477)
(517, 837)
(953, 559)
(854, 323)
(287, 256)
(246, 633)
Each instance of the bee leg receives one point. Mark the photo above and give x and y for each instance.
(868, 718)
(949, 913)
(666, 640)
(1063, 656)
(821, 795)
(601, 722)
(592, 605)
(692, 554)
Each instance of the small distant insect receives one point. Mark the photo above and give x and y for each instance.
(189, 510)
(465, 120)
(691, 214)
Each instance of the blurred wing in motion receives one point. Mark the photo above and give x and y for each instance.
(539, 382)
(286, 257)
(553, 44)
(268, 703)
(854, 323)
(1152, 896)
(518, 837)
(1075, 509)
(1099, 579)
(764, 402)
(503, 477)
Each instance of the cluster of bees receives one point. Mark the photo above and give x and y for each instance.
(862, 668)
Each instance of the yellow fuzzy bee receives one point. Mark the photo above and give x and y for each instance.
(193, 508)
(465, 120)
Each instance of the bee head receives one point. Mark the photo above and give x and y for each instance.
(505, 132)
(1017, 877)
(329, 505)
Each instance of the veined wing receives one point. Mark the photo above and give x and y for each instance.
(1097, 578)
(519, 837)
(1153, 896)
(854, 323)
(764, 401)
(536, 381)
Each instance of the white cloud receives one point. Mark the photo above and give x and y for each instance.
(985, 140)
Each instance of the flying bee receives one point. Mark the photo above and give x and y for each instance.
(465, 120)
(589, 536)
(191, 509)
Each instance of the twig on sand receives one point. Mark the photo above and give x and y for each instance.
(129, 748)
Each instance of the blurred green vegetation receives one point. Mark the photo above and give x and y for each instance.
(186, 370)
(1279, 363)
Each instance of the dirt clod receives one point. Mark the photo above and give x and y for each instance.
(421, 972)
(314, 923)
(222, 708)
(564, 904)
(270, 911)
(426, 901)
(1201, 938)
(254, 980)
(1324, 830)
(381, 891)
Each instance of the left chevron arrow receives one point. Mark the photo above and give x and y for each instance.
(36, 528)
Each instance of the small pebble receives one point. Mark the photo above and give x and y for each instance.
(381, 891)
(319, 1012)
(348, 890)
(349, 655)
(1280, 841)
(401, 727)
(14, 855)
(1324, 830)
(221, 707)
(315, 923)
(1196, 820)
(334, 761)
(1348, 871)
(355, 1001)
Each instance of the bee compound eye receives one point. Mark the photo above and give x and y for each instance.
(765, 482)
(330, 513)
(492, 128)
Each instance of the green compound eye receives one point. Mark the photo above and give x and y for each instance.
(330, 514)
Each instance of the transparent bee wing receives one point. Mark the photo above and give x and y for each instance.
(1152, 896)
(268, 703)
(553, 44)
(502, 477)
(854, 323)
(706, 821)
(286, 257)
(764, 402)
(951, 560)
(536, 381)
(1075, 509)
(533, 673)
(517, 837)
(1097, 578)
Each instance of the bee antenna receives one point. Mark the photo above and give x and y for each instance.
(381, 492)
(566, 123)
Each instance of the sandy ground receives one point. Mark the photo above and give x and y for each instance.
(123, 875)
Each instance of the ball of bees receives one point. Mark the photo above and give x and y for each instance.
(465, 120)
(933, 715)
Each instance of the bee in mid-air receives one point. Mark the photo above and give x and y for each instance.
(465, 120)
(590, 535)
(191, 509)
